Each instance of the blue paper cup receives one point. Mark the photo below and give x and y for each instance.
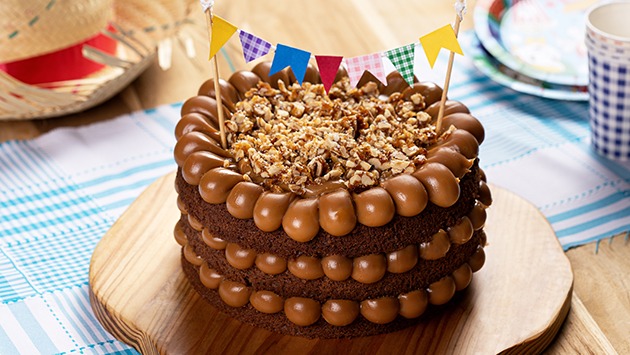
(608, 45)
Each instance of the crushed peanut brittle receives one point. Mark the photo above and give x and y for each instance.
(290, 138)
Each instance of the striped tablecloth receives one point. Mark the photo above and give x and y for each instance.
(60, 193)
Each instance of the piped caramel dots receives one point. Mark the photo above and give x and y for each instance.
(304, 311)
(365, 269)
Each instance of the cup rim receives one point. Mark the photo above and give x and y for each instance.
(590, 26)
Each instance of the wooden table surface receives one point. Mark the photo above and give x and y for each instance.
(349, 28)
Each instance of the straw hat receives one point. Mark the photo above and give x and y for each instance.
(37, 27)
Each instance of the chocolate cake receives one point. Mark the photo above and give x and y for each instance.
(329, 215)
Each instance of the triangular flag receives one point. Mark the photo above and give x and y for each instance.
(253, 47)
(295, 58)
(403, 59)
(443, 37)
(370, 62)
(328, 67)
(221, 32)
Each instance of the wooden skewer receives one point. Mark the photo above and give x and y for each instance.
(217, 87)
(458, 21)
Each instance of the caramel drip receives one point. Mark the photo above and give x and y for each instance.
(380, 310)
(485, 196)
(453, 160)
(199, 163)
(374, 207)
(369, 268)
(209, 277)
(180, 236)
(216, 184)
(442, 186)
(462, 277)
(301, 220)
(413, 304)
(213, 241)
(266, 302)
(234, 294)
(337, 267)
(408, 194)
(437, 247)
(302, 311)
(340, 312)
(306, 267)
(196, 122)
(242, 199)
(194, 223)
(238, 257)
(477, 260)
(441, 291)
(271, 264)
(336, 213)
(402, 260)
(190, 255)
(478, 216)
(462, 231)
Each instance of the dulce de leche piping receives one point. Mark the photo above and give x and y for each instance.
(335, 210)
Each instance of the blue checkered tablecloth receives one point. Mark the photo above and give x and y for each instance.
(60, 193)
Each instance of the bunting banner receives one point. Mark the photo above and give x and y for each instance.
(403, 60)
(369, 62)
(443, 37)
(221, 33)
(295, 58)
(253, 47)
(328, 66)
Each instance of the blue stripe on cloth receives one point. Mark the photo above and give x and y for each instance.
(616, 197)
(118, 204)
(620, 169)
(6, 345)
(52, 222)
(624, 213)
(36, 333)
(130, 171)
(596, 237)
(122, 188)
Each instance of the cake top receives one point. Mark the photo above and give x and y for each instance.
(294, 137)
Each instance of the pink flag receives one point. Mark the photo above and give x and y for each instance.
(370, 62)
(328, 66)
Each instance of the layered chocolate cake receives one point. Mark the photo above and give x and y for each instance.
(329, 215)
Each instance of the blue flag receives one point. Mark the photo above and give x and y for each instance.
(295, 58)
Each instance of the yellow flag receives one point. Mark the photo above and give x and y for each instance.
(221, 32)
(443, 37)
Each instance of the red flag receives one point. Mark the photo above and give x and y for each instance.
(328, 66)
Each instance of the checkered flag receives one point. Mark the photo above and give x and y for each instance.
(253, 47)
(370, 62)
(403, 59)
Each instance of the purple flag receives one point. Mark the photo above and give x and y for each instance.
(253, 47)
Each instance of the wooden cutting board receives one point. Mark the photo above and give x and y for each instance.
(516, 303)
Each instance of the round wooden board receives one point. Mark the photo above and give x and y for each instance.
(515, 303)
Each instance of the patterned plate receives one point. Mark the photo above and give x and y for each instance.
(504, 75)
(542, 39)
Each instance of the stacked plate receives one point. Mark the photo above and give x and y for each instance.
(534, 46)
